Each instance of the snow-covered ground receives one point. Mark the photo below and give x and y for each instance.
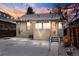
(14, 46)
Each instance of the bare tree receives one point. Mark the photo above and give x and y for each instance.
(62, 11)
(64, 16)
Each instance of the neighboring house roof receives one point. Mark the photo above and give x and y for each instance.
(7, 21)
(5, 17)
(39, 17)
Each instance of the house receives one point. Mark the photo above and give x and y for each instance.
(7, 26)
(71, 29)
(72, 33)
(39, 26)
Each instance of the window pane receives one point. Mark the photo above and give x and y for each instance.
(28, 25)
(46, 25)
(38, 25)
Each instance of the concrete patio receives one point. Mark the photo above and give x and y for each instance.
(14, 46)
(26, 47)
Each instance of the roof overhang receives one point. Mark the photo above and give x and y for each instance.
(36, 17)
(7, 21)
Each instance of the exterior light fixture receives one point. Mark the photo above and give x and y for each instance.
(60, 25)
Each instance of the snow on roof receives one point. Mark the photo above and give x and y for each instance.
(39, 17)
(7, 21)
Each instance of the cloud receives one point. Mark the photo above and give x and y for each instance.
(20, 10)
(37, 9)
(10, 11)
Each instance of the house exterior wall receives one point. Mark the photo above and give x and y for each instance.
(21, 29)
(40, 34)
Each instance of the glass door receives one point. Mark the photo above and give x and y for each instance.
(54, 29)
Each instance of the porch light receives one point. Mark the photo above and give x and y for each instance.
(60, 25)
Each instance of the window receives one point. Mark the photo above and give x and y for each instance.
(38, 25)
(28, 25)
(46, 25)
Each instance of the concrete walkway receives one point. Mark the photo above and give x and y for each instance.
(25, 47)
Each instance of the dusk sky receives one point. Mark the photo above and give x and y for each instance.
(19, 9)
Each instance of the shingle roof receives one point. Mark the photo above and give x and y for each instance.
(3, 17)
(40, 17)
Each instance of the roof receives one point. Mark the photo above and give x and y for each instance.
(6, 17)
(7, 21)
(39, 17)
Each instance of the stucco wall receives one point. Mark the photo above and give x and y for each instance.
(41, 34)
(22, 31)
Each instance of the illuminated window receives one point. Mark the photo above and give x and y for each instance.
(38, 25)
(46, 25)
(28, 25)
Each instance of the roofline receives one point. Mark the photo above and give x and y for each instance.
(58, 19)
(7, 21)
